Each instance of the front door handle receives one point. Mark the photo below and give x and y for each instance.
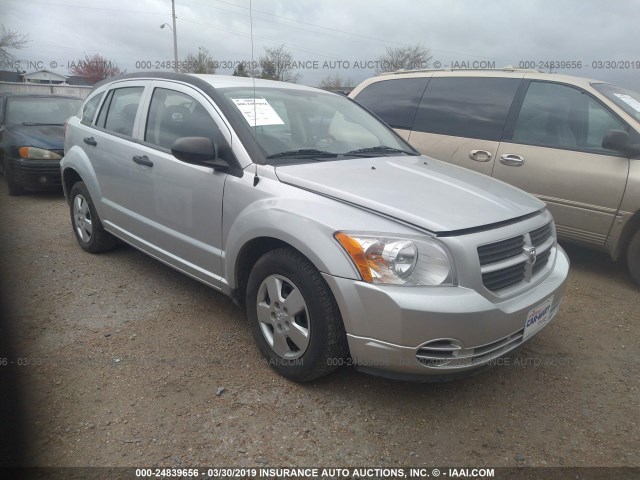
(90, 141)
(480, 155)
(143, 160)
(512, 160)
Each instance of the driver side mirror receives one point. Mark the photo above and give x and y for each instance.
(620, 141)
(198, 151)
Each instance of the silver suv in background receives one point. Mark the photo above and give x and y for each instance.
(572, 142)
(342, 242)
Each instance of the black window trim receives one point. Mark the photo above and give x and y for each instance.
(516, 106)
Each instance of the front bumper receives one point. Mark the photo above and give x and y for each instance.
(394, 330)
(36, 174)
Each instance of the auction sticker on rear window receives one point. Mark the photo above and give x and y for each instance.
(537, 318)
(257, 111)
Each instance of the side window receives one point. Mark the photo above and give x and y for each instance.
(466, 107)
(118, 113)
(90, 107)
(173, 115)
(394, 101)
(560, 116)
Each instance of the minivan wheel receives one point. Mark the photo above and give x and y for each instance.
(294, 317)
(633, 257)
(86, 223)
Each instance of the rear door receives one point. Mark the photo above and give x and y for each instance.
(460, 119)
(554, 150)
(109, 145)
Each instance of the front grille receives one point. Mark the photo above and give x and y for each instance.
(503, 278)
(508, 262)
(494, 252)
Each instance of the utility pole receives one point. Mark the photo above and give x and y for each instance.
(175, 34)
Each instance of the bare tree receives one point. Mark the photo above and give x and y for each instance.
(201, 62)
(11, 40)
(94, 68)
(335, 82)
(277, 64)
(407, 58)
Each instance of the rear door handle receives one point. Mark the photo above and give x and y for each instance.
(480, 155)
(90, 141)
(143, 160)
(512, 160)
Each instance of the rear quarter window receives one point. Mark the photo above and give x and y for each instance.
(466, 107)
(394, 101)
(90, 107)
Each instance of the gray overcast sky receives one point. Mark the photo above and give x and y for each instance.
(504, 32)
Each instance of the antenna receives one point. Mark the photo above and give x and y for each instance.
(256, 179)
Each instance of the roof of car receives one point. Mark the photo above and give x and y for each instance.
(509, 72)
(215, 81)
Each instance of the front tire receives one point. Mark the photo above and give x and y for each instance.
(86, 224)
(14, 188)
(294, 317)
(633, 257)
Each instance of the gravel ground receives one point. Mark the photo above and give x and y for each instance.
(121, 362)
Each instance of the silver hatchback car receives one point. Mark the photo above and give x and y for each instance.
(343, 243)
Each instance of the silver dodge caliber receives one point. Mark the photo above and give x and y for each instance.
(344, 245)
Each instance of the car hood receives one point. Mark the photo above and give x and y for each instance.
(49, 137)
(418, 190)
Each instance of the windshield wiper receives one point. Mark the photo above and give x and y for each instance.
(380, 149)
(37, 124)
(304, 152)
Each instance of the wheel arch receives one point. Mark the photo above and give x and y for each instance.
(631, 227)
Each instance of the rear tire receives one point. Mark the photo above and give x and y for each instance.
(86, 224)
(294, 317)
(633, 257)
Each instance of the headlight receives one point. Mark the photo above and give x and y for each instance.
(399, 261)
(38, 153)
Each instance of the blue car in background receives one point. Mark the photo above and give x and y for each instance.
(31, 139)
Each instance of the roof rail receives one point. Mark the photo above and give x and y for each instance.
(501, 69)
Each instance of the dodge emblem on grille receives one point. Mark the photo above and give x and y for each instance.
(531, 253)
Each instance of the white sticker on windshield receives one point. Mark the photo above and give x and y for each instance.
(629, 100)
(257, 112)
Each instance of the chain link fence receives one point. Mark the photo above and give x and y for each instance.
(47, 89)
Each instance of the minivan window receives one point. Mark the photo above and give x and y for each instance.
(466, 107)
(89, 109)
(628, 100)
(559, 116)
(121, 113)
(394, 101)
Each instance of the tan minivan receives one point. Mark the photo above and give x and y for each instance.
(572, 142)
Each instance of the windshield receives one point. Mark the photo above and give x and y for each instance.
(301, 124)
(40, 110)
(626, 99)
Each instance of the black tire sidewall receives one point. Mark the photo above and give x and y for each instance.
(633, 257)
(299, 271)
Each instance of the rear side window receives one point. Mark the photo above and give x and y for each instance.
(394, 101)
(89, 109)
(466, 107)
(118, 113)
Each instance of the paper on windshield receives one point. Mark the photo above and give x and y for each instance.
(629, 100)
(257, 112)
